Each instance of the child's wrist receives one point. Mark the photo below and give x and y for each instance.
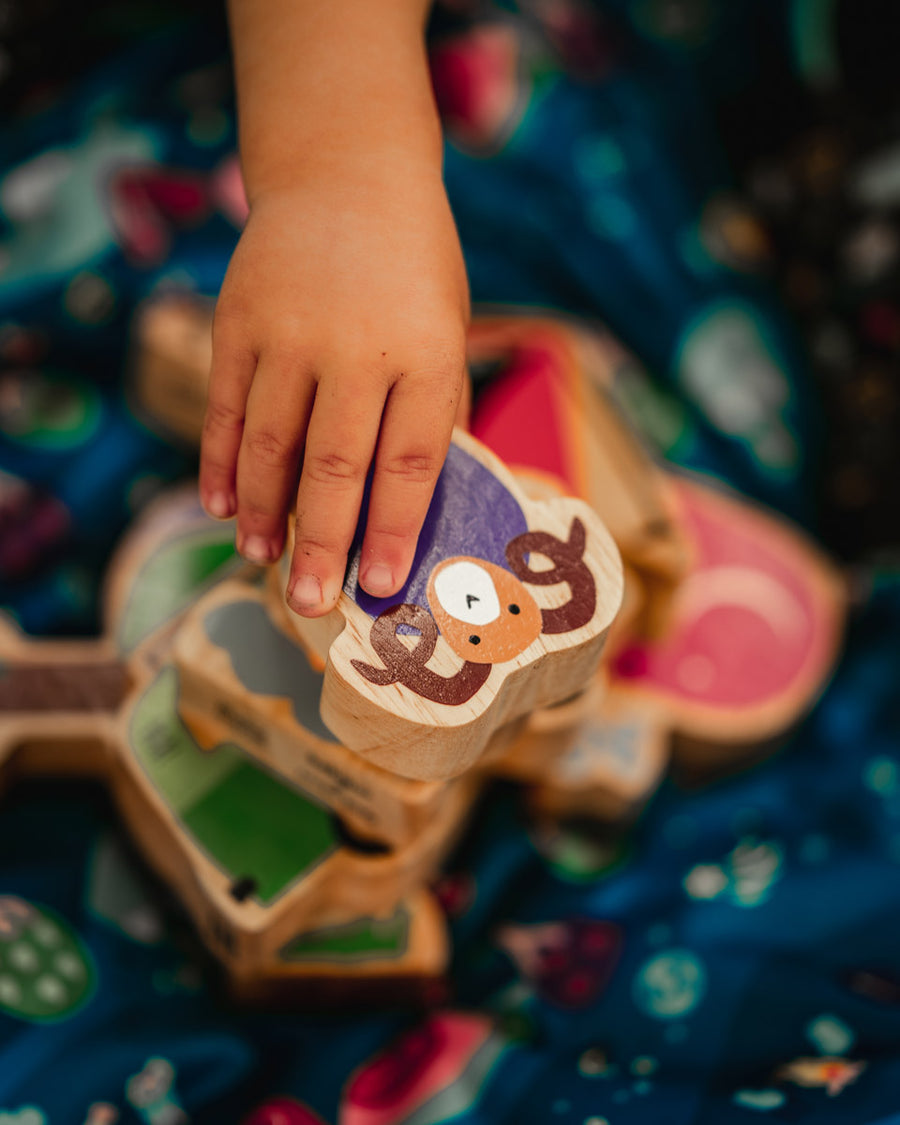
(344, 168)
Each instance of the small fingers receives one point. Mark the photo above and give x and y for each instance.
(343, 431)
(278, 409)
(231, 374)
(415, 436)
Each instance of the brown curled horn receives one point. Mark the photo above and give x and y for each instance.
(568, 566)
(407, 666)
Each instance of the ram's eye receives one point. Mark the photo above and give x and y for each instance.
(466, 591)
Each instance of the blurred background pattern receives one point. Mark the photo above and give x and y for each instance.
(717, 184)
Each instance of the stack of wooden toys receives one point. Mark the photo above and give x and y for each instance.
(577, 620)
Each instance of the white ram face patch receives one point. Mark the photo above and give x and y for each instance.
(466, 591)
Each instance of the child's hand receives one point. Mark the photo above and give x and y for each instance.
(339, 341)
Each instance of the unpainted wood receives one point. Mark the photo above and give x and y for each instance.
(170, 362)
(236, 926)
(313, 968)
(219, 707)
(547, 735)
(611, 768)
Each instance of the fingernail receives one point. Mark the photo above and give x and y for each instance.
(378, 580)
(305, 592)
(256, 549)
(219, 506)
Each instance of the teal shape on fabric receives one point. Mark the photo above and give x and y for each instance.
(46, 973)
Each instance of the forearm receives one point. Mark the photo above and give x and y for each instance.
(321, 80)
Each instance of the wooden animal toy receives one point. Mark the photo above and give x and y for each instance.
(175, 331)
(87, 707)
(754, 630)
(599, 755)
(170, 359)
(736, 640)
(553, 423)
(399, 958)
(506, 609)
(254, 859)
(546, 736)
(243, 675)
(612, 767)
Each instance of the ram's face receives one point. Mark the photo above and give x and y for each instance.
(483, 612)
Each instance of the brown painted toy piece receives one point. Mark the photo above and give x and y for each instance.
(400, 958)
(57, 703)
(254, 860)
(170, 361)
(272, 709)
(507, 609)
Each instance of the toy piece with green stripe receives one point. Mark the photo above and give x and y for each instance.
(255, 860)
(368, 960)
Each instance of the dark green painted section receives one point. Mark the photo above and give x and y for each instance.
(255, 827)
(367, 939)
(250, 824)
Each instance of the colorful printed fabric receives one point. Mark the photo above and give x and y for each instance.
(732, 959)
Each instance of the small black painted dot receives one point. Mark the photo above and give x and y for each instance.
(514, 609)
(473, 640)
(242, 889)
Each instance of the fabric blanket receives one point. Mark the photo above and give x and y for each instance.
(716, 182)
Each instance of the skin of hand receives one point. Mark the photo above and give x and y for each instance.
(339, 334)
